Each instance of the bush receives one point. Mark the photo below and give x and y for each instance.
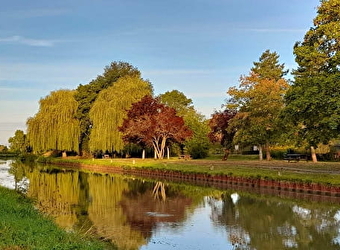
(198, 152)
(278, 154)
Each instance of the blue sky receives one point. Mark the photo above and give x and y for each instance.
(199, 47)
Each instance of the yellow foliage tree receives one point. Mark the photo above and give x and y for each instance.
(55, 127)
(258, 102)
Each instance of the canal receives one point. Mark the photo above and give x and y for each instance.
(147, 214)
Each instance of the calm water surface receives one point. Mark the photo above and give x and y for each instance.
(140, 214)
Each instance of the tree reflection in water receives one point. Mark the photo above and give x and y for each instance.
(127, 211)
(262, 223)
(159, 191)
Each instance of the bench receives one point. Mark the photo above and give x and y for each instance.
(295, 157)
(184, 157)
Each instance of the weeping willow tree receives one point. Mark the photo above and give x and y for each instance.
(55, 127)
(110, 109)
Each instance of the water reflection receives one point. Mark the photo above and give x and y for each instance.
(134, 213)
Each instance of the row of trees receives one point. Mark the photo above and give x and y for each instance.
(112, 112)
(118, 108)
(265, 110)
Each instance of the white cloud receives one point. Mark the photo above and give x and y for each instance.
(27, 41)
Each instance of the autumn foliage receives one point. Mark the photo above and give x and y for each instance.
(152, 123)
(219, 125)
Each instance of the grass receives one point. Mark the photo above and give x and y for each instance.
(23, 227)
(243, 166)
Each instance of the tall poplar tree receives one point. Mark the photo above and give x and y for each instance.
(87, 94)
(258, 102)
(55, 127)
(313, 101)
(110, 109)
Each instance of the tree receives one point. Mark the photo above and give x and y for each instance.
(109, 110)
(313, 101)
(258, 102)
(221, 131)
(155, 124)
(55, 127)
(3, 149)
(18, 143)
(87, 94)
(268, 66)
(198, 144)
(176, 100)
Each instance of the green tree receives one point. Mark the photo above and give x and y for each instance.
(198, 144)
(313, 101)
(110, 108)
(3, 149)
(18, 143)
(177, 100)
(55, 127)
(87, 94)
(258, 102)
(268, 66)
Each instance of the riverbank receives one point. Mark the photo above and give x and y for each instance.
(23, 227)
(322, 177)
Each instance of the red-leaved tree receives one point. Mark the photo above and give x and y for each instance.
(220, 129)
(152, 123)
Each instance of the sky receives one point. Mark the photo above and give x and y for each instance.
(199, 47)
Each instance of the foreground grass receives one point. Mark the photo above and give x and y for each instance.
(22, 227)
(308, 172)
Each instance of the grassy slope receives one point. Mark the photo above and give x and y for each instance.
(22, 227)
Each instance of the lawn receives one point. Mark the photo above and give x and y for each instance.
(23, 227)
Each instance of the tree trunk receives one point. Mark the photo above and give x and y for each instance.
(313, 154)
(268, 156)
(143, 154)
(226, 154)
(260, 153)
(168, 152)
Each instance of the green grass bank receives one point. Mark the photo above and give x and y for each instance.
(23, 227)
(325, 173)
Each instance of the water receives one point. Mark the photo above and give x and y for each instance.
(145, 214)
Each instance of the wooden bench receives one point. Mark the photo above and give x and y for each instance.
(184, 157)
(295, 157)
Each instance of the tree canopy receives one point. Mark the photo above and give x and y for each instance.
(313, 101)
(155, 124)
(55, 125)
(18, 143)
(110, 108)
(220, 128)
(176, 100)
